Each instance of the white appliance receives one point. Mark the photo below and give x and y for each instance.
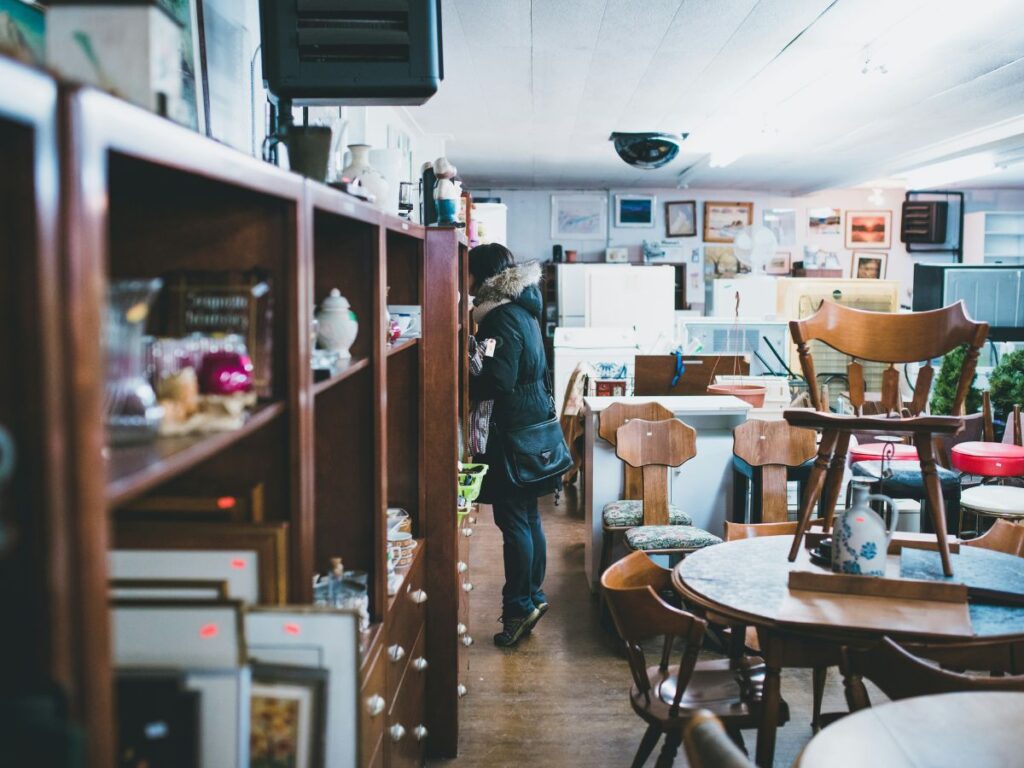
(642, 297)
(757, 294)
(571, 280)
(745, 335)
(594, 346)
(491, 222)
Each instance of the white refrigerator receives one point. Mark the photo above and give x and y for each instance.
(571, 281)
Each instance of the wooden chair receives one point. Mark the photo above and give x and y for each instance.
(709, 746)
(653, 447)
(628, 512)
(666, 696)
(770, 449)
(1003, 536)
(572, 418)
(901, 675)
(744, 639)
(885, 338)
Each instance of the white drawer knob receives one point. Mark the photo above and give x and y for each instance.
(397, 732)
(375, 705)
(467, 641)
(396, 653)
(460, 628)
(420, 664)
(462, 567)
(462, 690)
(419, 596)
(467, 586)
(420, 732)
(467, 531)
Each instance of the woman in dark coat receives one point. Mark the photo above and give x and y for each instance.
(514, 375)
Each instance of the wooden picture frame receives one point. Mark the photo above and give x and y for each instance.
(268, 540)
(722, 220)
(292, 699)
(681, 218)
(869, 230)
(869, 266)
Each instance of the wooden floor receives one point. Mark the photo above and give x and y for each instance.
(559, 697)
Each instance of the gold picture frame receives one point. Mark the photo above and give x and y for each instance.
(722, 220)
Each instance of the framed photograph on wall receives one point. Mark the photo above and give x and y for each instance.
(287, 716)
(782, 222)
(824, 221)
(779, 264)
(869, 266)
(579, 217)
(681, 218)
(721, 261)
(723, 220)
(634, 211)
(869, 229)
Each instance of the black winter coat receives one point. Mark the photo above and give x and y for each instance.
(515, 377)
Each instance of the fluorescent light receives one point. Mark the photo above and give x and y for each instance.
(949, 171)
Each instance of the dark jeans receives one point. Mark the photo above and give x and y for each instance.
(525, 555)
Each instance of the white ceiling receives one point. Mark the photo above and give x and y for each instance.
(533, 88)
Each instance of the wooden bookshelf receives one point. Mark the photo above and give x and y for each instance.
(140, 197)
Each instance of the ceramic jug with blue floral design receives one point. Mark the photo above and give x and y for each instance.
(860, 541)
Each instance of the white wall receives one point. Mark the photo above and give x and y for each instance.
(529, 222)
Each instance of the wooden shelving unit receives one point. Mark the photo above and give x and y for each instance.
(140, 197)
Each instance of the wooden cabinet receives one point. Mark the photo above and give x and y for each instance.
(140, 197)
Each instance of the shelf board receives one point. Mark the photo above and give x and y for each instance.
(347, 369)
(401, 344)
(135, 469)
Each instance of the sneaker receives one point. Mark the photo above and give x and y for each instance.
(513, 629)
(542, 608)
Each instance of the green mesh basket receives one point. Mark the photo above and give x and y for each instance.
(471, 479)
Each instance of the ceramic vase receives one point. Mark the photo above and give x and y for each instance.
(860, 541)
(359, 168)
(337, 325)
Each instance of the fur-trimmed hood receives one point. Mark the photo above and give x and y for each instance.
(517, 284)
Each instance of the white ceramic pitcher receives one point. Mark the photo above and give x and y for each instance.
(860, 541)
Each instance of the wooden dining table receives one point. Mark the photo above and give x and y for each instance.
(747, 582)
(954, 730)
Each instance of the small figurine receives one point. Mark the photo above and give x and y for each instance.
(446, 193)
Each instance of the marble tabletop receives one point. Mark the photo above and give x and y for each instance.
(750, 576)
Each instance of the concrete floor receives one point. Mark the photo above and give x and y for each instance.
(560, 697)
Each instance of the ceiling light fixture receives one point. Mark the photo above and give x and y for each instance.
(950, 171)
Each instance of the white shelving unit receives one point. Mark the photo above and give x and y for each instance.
(994, 237)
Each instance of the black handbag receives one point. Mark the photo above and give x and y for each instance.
(535, 455)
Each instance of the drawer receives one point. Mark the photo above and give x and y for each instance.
(373, 699)
(377, 760)
(406, 735)
(404, 624)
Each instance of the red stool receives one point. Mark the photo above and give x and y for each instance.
(988, 459)
(873, 452)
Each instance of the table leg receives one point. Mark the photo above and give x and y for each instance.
(815, 481)
(771, 698)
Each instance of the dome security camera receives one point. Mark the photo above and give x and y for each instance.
(647, 150)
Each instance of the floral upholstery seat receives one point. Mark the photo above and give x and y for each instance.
(649, 538)
(627, 513)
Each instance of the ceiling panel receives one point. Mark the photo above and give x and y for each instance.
(534, 88)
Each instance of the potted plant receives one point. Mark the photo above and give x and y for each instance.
(1006, 384)
(944, 389)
